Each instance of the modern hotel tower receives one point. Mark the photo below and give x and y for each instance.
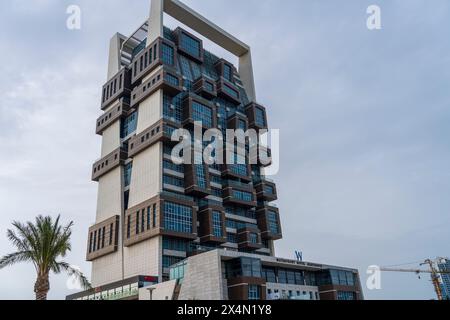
(152, 213)
(158, 221)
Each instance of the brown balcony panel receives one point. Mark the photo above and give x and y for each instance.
(149, 59)
(188, 113)
(266, 191)
(205, 87)
(225, 69)
(103, 238)
(244, 238)
(262, 216)
(159, 132)
(164, 79)
(108, 163)
(179, 33)
(191, 181)
(262, 156)
(119, 86)
(229, 197)
(206, 230)
(238, 121)
(112, 115)
(146, 221)
(252, 110)
(238, 287)
(228, 91)
(228, 172)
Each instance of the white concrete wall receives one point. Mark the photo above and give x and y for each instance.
(146, 179)
(109, 197)
(143, 258)
(111, 139)
(107, 269)
(203, 278)
(150, 111)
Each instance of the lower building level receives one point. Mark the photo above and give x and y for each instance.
(231, 275)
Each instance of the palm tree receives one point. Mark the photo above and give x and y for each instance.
(42, 243)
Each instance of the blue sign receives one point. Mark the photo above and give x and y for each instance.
(299, 256)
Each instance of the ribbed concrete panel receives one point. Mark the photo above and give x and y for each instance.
(143, 258)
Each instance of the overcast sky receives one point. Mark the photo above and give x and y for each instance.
(364, 118)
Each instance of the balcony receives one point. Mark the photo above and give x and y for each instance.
(159, 132)
(212, 224)
(152, 57)
(103, 238)
(266, 191)
(257, 116)
(167, 80)
(228, 91)
(147, 220)
(110, 117)
(249, 238)
(237, 171)
(108, 163)
(197, 179)
(119, 86)
(197, 109)
(269, 223)
(205, 88)
(189, 45)
(225, 69)
(238, 121)
(240, 194)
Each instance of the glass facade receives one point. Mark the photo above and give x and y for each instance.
(202, 114)
(253, 292)
(227, 72)
(168, 54)
(273, 222)
(127, 174)
(260, 117)
(190, 45)
(242, 195)
(217, 224)
(346, 295)
(129, 125)
(177, 217)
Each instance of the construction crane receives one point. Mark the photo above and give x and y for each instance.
(433, 271)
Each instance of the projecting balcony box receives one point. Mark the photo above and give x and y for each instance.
(197, 179)
(257, 116)
(159, 132)
(108, 163)
(249, 238)
(237, 171)
(166, 79)
(189, 45)
(225, 69)
(238, 121)
(119, 86)
(103, 238)
(269, 223)
(205, 87)
(266, 190)
(147, 220)
(207, 217)
(198, 109)
(114, 114)
(240, 194)
(228, 91)
(262, 156)
(152, 57)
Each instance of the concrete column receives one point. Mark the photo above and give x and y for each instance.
(246, 73)
(155, 25)
(115, 45)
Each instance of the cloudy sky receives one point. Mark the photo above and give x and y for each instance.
(364, 118)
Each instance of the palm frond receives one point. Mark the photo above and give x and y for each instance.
(16, 257)
(60, 266)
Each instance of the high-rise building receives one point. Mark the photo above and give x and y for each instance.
(157, 219)
(444, 266)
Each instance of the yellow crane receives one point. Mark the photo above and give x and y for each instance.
(433, 271)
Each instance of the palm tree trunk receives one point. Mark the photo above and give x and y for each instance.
(42, 287)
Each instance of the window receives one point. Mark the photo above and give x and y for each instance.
(253, 292)
(154, 216)
(269, 275)
(217, 224)
(167, 54)
(148, 217)
(168, 261)
(103, 237)
(186, 68)
(242, 125)
(346, 295)
(282, 277)
(269, 189)
(177, 217)
(202, 114)
(174, 244)
(209, 86)
(129, 125)
(242, 195)
(143, 220)
(173, 181)
(90, 241)
(227, 72)
(273, 222)
(232, 92)
(129, 227)
(172, 108)
(111, 234)
(137, 222)
(190, 45)
(253, 238)
(170, 78)
(260, 117)
(231, 238)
